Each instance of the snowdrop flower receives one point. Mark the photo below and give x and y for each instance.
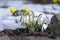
(44, 26)
(28, 16)
(26, 19)
(41, 18)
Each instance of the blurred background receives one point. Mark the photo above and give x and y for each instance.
(38, 1)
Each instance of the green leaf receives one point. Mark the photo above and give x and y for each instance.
(21, 19)
(16, 20)
(22, 23)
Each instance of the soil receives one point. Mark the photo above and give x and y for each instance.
(5, 37)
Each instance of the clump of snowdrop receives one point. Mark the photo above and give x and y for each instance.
(28, 16)
(41, 21)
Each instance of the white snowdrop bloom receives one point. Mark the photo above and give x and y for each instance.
(40, 21)
(31, 18)
(44, 26)
(26, 19)
(41, 18)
